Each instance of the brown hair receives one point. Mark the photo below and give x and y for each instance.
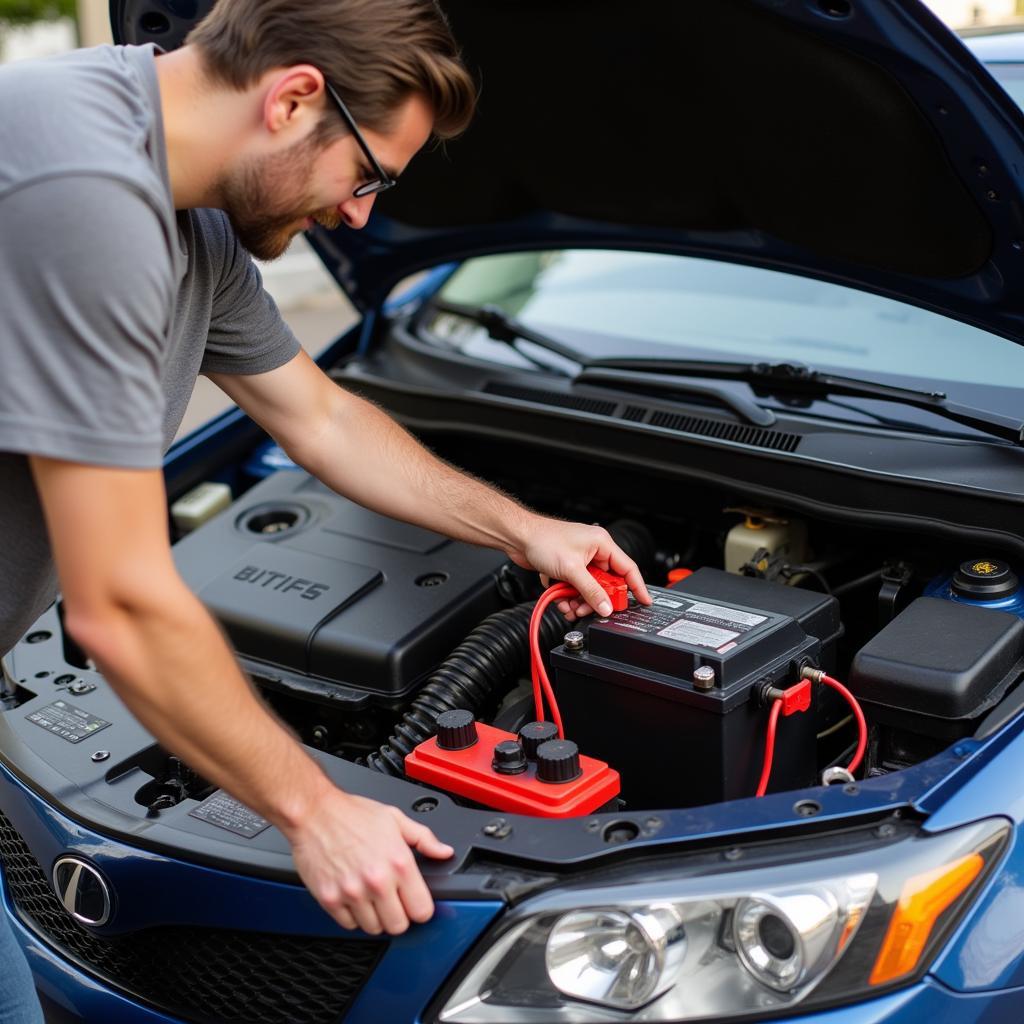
(376, 53)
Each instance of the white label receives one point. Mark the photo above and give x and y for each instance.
(727, 614)
(697, 633)
(664, 602)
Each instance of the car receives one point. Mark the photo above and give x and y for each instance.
(743, 281)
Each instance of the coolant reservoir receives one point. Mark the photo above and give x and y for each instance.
(759, 529)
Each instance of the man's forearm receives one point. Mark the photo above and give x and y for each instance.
(170, 664)
(370, 458)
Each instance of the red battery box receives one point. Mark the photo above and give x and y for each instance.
(480, 771)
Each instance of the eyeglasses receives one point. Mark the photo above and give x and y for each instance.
(381, 181)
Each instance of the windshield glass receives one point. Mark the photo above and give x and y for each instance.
(646, 304)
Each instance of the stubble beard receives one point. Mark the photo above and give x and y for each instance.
(268, 200)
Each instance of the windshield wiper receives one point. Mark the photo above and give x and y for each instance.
(787, 379)
(501, 327)
(504, 328)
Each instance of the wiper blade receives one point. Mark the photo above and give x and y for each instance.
(743, 407)
(506, 329)
(798, 379)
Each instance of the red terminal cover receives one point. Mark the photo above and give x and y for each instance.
(468, 773)
(796, 698)
(614, 586)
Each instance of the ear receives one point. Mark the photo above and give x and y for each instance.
(294, 97)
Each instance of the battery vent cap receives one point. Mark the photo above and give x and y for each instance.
(558, 761)
(533, 734)
(456, 730)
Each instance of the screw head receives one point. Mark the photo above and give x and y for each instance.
(573, 640)
(100, 755)
(704, 678)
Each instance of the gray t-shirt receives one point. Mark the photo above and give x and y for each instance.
(111, 303)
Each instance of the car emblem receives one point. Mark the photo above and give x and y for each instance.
(82, 891)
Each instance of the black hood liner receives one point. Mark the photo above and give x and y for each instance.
(710, 117)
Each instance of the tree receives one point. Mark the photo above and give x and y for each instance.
(23, 12)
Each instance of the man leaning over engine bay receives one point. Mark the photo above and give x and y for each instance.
(138, 185)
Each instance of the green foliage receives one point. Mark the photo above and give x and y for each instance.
(23, 12)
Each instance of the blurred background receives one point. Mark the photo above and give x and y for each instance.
(310, 301)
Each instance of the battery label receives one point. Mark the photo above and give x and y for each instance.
(699, 623)
(697, 633)
(711, 625)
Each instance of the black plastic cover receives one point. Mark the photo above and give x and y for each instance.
(940, 659)
(305, 579)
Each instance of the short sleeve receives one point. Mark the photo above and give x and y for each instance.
(86, 292)
(247, 333)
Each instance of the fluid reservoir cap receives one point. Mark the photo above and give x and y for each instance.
(456, 730)
(533, 734)
(558, 761)
(509, 758)
(985, 579)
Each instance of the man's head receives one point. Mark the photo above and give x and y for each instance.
(392, 65)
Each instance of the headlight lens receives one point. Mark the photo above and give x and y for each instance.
(667, 946)
(617, 959)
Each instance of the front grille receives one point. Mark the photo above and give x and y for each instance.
(201, 975)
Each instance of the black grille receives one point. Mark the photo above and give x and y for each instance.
(202, 975)
(599, 406)
(777, 440)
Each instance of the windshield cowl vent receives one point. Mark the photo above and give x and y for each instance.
(776, 440)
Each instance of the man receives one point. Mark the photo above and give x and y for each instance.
(127, 181)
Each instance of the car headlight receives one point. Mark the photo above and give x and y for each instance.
(820, 920)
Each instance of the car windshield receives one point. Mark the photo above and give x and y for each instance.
(619, 303)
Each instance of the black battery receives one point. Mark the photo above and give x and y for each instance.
(629, 696)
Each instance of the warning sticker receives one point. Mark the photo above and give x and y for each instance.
(697, 633)
(711, 625)
(67, 721)
(225, 812)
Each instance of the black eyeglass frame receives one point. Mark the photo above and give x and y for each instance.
(383, 181)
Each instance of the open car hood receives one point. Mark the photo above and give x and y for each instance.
(856, 141)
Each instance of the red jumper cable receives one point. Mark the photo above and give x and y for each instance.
(797, 698)
(618, 593)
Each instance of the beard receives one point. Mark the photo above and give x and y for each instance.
(268, 199)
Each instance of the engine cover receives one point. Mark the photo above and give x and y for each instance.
(305, 579)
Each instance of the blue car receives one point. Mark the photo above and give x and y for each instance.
(743, 281)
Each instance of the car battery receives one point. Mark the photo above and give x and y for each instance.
(671, 694)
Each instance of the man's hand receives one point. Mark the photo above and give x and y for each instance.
(355, 856)
(563, 551)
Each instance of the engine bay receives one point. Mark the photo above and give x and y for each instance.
(367, 635)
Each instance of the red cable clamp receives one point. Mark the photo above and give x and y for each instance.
(614, 586)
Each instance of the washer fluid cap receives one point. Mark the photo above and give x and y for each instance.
(985, 579)
(558, 761)
(456, 730)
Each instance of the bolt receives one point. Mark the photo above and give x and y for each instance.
(733, 853)
(573, 640)
(816, 675)
(593, 825)
(319, 735)
(704, 678)
(991, 194)
(81, 687)
(885, 831)
(652, 824)
(499, 828)
(101, 755)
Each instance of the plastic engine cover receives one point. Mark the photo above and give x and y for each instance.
(305, 579)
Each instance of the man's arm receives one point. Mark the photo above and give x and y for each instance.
(359, 451)
(161, 651)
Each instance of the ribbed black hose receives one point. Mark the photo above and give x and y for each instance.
(484, 666)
